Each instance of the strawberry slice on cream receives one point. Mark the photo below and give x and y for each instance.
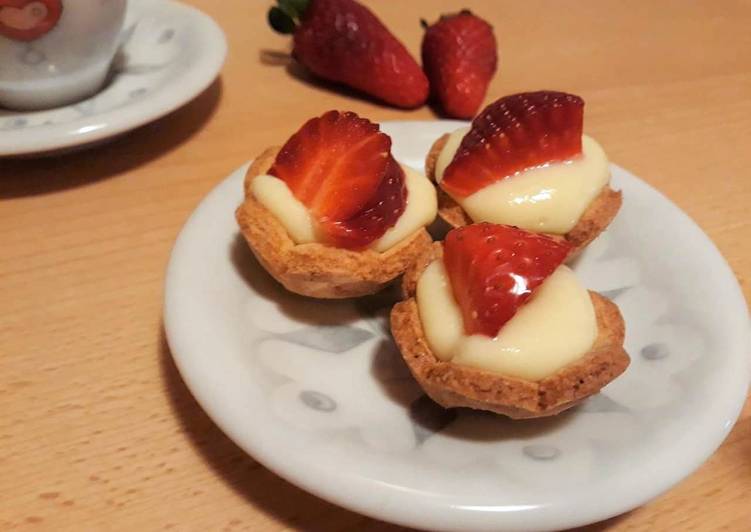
(500, 299)
(336, 182)
(492, 319)
(526, 162)
(331, 214)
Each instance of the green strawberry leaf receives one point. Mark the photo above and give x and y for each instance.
(294, 8)
(280, 21)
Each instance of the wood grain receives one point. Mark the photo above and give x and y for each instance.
(98, 432)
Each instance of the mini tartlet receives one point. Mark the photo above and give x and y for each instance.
(531, 137)
(466, 384)
(327, 239)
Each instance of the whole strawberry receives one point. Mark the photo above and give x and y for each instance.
(343, 41)
(460, 58)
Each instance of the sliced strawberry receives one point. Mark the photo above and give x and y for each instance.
(334, 164)
(514, 134)
(340, 167)
(381, 213)
(494, 269)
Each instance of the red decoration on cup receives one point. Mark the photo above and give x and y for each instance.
(28, 20)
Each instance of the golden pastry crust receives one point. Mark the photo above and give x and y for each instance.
(593, 221)
(453, 385)
(317, 270)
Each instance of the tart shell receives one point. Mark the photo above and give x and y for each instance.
(593, 221)
(452, 385)
(314, 269)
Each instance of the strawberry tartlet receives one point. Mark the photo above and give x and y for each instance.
(332, 214)
(525, 162)
(494, 320)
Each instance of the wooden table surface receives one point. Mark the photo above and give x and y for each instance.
(98, 431)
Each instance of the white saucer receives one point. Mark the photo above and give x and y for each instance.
(171, 52)
(317, 392)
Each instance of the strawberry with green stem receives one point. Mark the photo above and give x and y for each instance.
(344, 42)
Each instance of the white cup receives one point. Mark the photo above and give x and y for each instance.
(55, 52)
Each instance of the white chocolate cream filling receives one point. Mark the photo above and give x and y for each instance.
(550, 198)
(275, 195)
(555, 327)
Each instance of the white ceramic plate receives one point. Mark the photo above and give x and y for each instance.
(317, 392)
(170, 53)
